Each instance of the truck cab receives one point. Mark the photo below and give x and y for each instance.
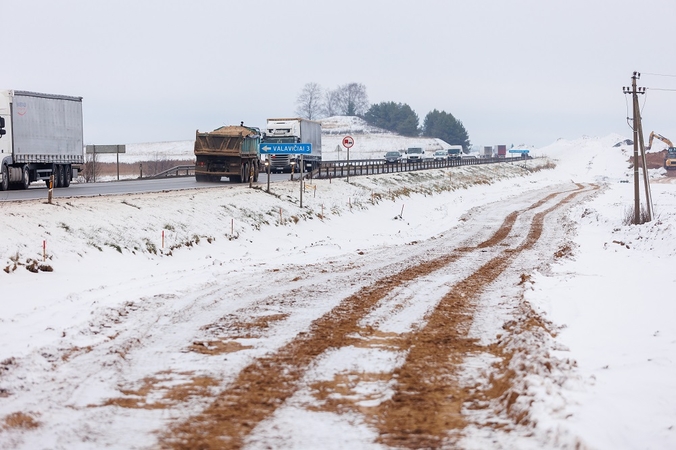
(293, 131)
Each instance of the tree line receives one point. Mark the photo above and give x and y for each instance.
(351, 99)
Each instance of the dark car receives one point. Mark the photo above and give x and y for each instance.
(392, 157)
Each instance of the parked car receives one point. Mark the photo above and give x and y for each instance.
(392, 157)
(441, 155)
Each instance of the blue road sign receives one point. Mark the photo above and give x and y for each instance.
(519, 151)
(285, 149)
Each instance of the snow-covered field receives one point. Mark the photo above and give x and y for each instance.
(127, 283)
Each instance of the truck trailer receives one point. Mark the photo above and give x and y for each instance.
(294, 131)
(42, 137)
(230, 151)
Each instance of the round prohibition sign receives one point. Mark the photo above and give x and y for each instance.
(348, 141)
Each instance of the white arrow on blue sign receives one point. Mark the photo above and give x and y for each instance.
(518, 151)
(285, 149)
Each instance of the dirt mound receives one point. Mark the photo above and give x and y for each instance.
(654, 160)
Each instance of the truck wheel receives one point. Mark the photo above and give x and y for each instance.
(5, 179)
(25, 179)
(256, 171)
(57, 177)
(62, 176)
(67, 175)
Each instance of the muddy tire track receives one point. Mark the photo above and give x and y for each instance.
(263, 386)
(427, 406)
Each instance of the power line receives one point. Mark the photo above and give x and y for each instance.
(659, 75)
(661, 89)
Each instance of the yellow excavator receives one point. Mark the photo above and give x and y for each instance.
(670, 157)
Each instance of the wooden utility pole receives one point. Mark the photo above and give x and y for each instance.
(638, 137)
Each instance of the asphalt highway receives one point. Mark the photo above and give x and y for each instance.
(38, 190)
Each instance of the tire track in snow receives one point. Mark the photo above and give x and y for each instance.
(263, 386)
(427, 404)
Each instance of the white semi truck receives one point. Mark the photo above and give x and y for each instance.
(42, 137)
(294, 131)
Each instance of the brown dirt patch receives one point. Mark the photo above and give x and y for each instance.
(164, 391)
(21, 421)
(217, 347)
(654, 160)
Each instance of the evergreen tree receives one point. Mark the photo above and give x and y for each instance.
(442, 125)
(396, 117)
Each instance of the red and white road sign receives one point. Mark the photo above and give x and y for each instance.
(348, 141)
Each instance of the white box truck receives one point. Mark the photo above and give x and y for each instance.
(294, 131)
(42, 137)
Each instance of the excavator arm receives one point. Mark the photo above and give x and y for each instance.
(660, 137)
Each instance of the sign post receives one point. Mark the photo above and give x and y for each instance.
(98, 149)
(286, 149)
(348, 142)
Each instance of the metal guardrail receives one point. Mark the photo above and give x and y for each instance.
(339, 169)
(177, 171)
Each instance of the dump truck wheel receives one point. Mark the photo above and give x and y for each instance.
(245, 173)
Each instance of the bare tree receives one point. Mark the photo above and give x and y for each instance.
(91, 169)
(309, 101)
(352, 99)
(331, 103)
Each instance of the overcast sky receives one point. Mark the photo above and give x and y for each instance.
(514, 72)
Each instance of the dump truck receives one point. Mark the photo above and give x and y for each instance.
(229, 151)
(294, 131)
(41, 135)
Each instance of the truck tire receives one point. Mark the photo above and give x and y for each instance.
(58, 176)
(4, 185)
(256, 171)
(25, 178)
(67, 175)
(246, 172)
